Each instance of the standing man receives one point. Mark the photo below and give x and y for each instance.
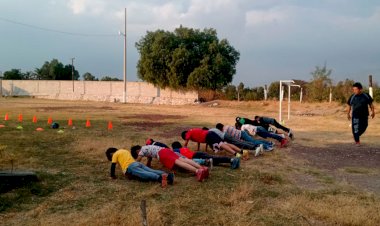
(358, 111)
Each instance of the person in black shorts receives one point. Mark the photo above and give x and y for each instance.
(358, 111)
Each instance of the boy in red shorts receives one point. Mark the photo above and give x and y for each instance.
(216, 160)
(210, 138)
(169, 159)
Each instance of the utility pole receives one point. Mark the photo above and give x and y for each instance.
(72, 71)
(125, 56)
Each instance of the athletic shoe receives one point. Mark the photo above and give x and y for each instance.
(206, 172)
(164, 181)
(258, 150)
(282, 135)
(357, 144)
(245, 154)
(284, 142)
(199, 174)
(290, 134)
(269, 148)
(170, 178)
(238, 155)
(235, 163)
(210, 163)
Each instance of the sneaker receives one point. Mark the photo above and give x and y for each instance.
(269, 148)
(206, 172)
(284, 142)
(245, 154)
(170, 178)
(164, 181)
(290, 134)
(357, 144)
(211, 163)
(238, 155)
(261, 149)
(199, 174)
(235, 163)
(282, 135)
(258, 150)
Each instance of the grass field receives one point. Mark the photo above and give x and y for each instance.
(320, 179)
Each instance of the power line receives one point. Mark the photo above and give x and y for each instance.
(57, 31)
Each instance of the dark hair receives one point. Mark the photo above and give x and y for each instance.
(176, 145)
(238, 125)
(183, 135)
(237, 119)
(257, 117)
(357, 85)
(204, 128)
(110, 152)
(219, 126)
(134, 150)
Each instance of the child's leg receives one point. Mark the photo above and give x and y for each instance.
(158, 172)
(227, 148)
(136, 169)
(192, 163)
(234, 147)
(180, 163)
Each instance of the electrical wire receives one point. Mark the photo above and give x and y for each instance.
(56, 31)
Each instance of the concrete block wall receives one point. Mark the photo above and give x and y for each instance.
(109, 91)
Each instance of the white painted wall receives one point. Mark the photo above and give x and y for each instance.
(110, 91)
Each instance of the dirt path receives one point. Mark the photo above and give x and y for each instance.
(357, 166)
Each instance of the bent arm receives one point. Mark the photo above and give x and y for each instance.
(113, 167)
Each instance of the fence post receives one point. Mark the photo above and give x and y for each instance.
(143, 213)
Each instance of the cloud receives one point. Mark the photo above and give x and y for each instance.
(87, 6)
(263, 17)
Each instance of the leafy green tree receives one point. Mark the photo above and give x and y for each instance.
(274, 90)
(230, 92)
(55, 70)
(89, 77)
(319, 88)
(240, 90)
(14, 74)
(108, 78)
(343, 90)
(186, 58)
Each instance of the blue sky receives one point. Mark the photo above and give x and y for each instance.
(277, 39)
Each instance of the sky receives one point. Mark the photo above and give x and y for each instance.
(277, 39)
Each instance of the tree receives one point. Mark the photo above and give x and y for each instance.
(230, 92)
(318, 88)
(55, 70)
(342, 90)
(240, 89)
(274, 90)
(186, 58)
(89, 77)
(14, 74)
(108, 78)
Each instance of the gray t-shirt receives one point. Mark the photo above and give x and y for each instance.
(217, 131)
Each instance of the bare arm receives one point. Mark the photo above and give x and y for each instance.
(139, 158)
(349, 112)
(372, 110)
(186, 142)
(149, 162)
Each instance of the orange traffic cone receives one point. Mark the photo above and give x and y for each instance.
(110, 125)
(88, 123)
(50, 120)
(6, 117)
(34, 119)
(70, 122)
(20, 117)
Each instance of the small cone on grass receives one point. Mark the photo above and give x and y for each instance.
(6, 117)
(110, 126)
(70, 122)
(88, 123)
(34, 119)
(50, 121)
(20, 117)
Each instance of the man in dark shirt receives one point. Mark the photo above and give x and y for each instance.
(358, 111)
